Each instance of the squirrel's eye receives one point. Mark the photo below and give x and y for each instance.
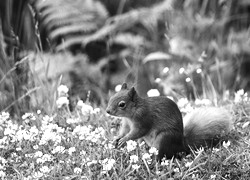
(122, 104)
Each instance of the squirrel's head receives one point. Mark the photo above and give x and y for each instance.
(123, 103)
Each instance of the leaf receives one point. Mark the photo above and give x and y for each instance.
(70, 19)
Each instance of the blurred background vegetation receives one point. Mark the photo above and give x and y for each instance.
(190, 48)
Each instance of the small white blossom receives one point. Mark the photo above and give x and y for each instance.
(2, 174)
(38, 154)
(153, 150)
(165, 70)
(131, 145)
(135, 166)
(45, 169)
(188, 79)
(182, 102)
(181, 70)
(158, 80)
(118, 88)
(38, 111)
(205, 102)
(241, 96)
(176, 170)
(134, 159)
(77, 170)
(153, 93)
(86, 109)
(58, 149)
(213, 176)
(83, 153)
(215, 150)
(146, 156)
(165, 162)
(108, 164)
(4, 116)
(71, 150)
(18, 149)
(198, 71)
(62, 101)
(226, 144)
(188, 164)
(62, 90)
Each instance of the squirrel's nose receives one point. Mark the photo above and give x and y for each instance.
(108, 111)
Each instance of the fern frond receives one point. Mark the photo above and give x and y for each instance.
(65, 18)
(129, 19)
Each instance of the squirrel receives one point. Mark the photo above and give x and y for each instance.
(158, 121)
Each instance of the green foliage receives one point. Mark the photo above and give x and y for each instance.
(78, 145)
(69, 21)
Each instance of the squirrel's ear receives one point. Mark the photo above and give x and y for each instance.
(132, 93)
(124, 86)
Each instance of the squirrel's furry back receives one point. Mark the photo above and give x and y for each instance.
(204, 124)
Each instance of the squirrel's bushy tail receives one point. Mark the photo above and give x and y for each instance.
(206, 126)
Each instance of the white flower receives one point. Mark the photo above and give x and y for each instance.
(213, 176)
(182, 102)
(2, 174)
(38, 111)
(215, 150)
(164, 162)
(241, 96)
(135, 166)
(165, 70)
(176, 170)
(85, 108)
(108, 164)
(118, 88)
(188, 79)
(77, 170)
(45, 169)
(205, 102)
(62, 90)
(18, 149)
(47, 157)
(153, 93)
(134, 159)
(83, 153)
(181, 70)
(4, 116)
(188, 164)
(131, 145)
(58, 149)
(226, 144)
(198, 71)
(96, 110)
(62, 101)
(71, 150)
(38, 154)
(153, 150)
(146, 156)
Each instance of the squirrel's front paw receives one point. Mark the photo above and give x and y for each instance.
(121, 142)
(115, 142)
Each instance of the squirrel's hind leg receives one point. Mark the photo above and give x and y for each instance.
(168, 145)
